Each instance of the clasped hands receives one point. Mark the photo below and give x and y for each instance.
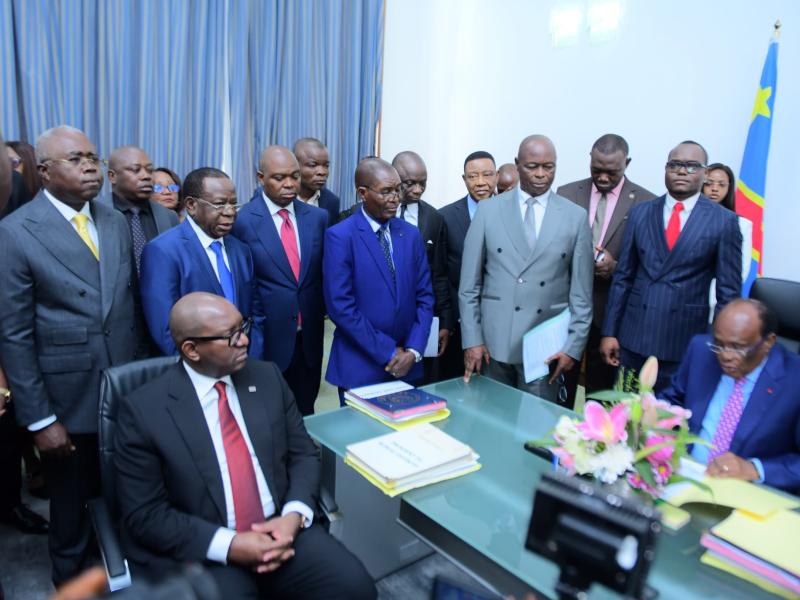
(268, 545)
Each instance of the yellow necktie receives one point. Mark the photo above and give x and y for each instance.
(80, 221)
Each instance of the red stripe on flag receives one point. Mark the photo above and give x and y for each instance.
(755, 214)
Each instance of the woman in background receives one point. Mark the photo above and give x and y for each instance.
(166, 189)
(23, 161)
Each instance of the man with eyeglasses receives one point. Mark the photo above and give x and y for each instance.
(673, 247)
(743, 388)
(480, 178)
(414, 210)
(527, 258)
(377, 287)
(214, 466)
(200, 256)
(66, 313)
(607, 196)
(130, 172)
(285, 236)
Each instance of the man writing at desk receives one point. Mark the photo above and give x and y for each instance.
(743, 388)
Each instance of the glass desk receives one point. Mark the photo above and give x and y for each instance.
(481, 520)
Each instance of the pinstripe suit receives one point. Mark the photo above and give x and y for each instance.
(659, 298)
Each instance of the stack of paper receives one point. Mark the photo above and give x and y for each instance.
(760, 550)
(408, 459)
(397, 404)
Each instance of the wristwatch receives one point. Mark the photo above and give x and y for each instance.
(5, 393)
(417, 355)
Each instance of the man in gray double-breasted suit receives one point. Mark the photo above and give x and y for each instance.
(527, 257)
(66, 313)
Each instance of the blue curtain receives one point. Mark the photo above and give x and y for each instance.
(197, 82)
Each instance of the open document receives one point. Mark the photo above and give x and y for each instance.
(541, 342)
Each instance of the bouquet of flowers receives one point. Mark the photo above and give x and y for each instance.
(625, 435)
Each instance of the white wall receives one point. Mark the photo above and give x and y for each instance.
(464, 75)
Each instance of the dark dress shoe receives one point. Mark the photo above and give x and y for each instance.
(27, 521)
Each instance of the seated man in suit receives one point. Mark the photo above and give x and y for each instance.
(214, 465)
(200, 256)
(377, 287)
(743, 388)
(413, 209)
(507, 177)
(312, 155)
(130, 173)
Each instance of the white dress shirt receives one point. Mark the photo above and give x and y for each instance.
(209, 402)
(68, 213)
(688, 206)
(313, 201)
(206, 241)
(539, 207)
(375, 226)
(411, 215)
(278, 220)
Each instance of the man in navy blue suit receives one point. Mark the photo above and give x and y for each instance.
(743, 389)
(200, 256)
(312, 156)
(285, 236)
(673, 247)
(377, 287)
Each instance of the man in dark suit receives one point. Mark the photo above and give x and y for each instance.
(607, 196)
(130, 172)
(285, 236)
(507, 177)
(377, 287)
(200, 256)
(312, 156)
(413, 180)
(743, 388)
(214, 466)
(673, 247)
(480, 177)
(66, 313)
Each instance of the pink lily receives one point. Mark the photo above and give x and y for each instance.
(664, 455)
(648, 374)
(604, 426)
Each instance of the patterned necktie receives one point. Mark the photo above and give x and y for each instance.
(728, 422)
(289, 241)
(530, 223)
(137, 234)
(674, 225)
(599, 220)
(246, 499)
(81, 222)
(225, 277)
(382, 232)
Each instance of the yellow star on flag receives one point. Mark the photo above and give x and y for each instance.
(761, 107)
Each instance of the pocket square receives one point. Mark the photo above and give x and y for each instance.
(251, 388)
(429, 242)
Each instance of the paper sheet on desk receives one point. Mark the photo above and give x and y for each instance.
(432, 348)
(541, 342)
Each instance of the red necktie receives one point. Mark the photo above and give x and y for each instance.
(246, 499)
(289, 241)
(674, 225)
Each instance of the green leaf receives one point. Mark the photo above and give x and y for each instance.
(610, 396)
(543, 443)
(645, 452)
(643, 468)
(676, 478)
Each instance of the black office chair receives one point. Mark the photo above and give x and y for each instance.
(783, 298)
(116, 383)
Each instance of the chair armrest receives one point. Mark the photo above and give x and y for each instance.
(119, 575)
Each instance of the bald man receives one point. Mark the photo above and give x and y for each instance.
(507, 177)
(527, 258)
(315, 165)
(130, 172)
(66, 314)
(214, 466)
(285, 236)
(743, 388)
(377, 287)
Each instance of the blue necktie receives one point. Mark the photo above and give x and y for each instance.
(387, 252)
(225, 277)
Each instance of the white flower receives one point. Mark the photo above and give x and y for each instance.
(613, 462)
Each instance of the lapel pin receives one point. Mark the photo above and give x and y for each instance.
(769, 390)
(631, 195)
(251, 388)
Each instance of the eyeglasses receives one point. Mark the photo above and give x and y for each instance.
(15, 162)
(233, 338)
(387, 193)
(473, 176)
(174, 187)
(220, 208)
(740, 352)
(691, 166)
(78, 160)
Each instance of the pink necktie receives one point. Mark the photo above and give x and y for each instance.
(728, 422)
(289, 241)
(246, 499)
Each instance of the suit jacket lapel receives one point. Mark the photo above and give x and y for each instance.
(270, 240)
(370, 240)
(56, 234)
(657, 232)
(301, 210)
(162, 224)
(513, 222)
(464, 220)
(760, 401)
(707, 385)
(624, 203)
(424, 221)
(188, 416)
(549, 226)
(199, 256)
(585, 194)
(110, 254)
